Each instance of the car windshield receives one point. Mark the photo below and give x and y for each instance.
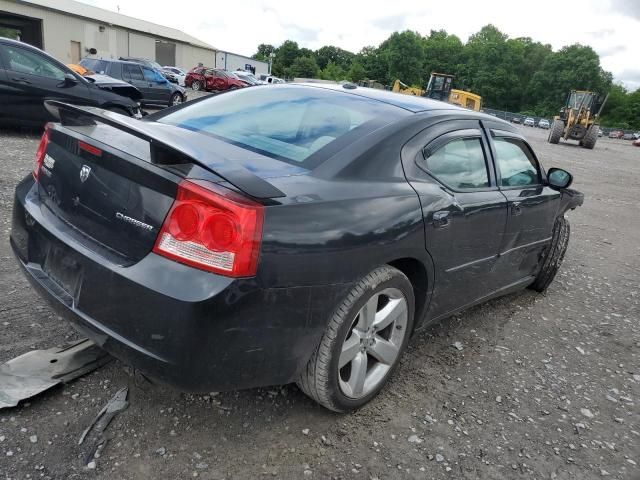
(289, 123)
(98, 66)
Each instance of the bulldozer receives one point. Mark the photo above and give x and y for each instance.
(440, 88)
(578, 119)
(400, 87)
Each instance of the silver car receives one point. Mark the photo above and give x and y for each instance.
(544, 123)
(529, 122)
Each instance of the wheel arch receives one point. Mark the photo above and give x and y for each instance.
(418, 274)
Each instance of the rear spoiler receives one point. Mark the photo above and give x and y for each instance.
(175, 140)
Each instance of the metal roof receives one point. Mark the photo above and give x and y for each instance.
(79, 9)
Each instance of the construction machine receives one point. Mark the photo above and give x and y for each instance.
(400, 87)
(440, 88)
(578, 119)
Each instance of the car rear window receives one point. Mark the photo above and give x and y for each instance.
(290, 123)
(98, 66)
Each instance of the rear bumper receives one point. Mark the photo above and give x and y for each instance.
(188, 328)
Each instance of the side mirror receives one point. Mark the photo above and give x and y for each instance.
(69, 80)
(559, 178)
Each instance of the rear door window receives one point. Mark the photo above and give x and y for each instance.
(132, 72)
(460, 163)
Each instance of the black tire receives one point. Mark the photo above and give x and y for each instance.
(196, 85)
(556, 131)
(320, 379)
(553, 256)
(590, 139)
(176, 99)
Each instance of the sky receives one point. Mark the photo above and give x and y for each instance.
(611, 27)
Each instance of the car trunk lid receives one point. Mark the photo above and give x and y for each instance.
(112, 180)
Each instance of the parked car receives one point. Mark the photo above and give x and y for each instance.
(636, 135)
(628, 136)
(156, 90)
(29, 76)
(247, 77)
(544, 123)
(600, 132)
(529, 122)
(212, 284)
(616, 134)
(636, 143)
(175, 75)
(149, 63)
(516, 120)
(143, 61)
(204, 78)
(270, 79)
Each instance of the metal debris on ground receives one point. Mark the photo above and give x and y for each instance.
(38, 370)
(117, 404)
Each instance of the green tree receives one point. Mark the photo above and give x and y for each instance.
(304, 67)
(264, 50)
(332, 72)
(489, 68)
(356, 72)
(405, 53)
(375, 64)
(442, 53)
(329, 53)
(576, 67)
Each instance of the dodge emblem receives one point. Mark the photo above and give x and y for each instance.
(85, 171)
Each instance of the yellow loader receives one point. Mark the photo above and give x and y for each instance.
(440, 88)
(578, 119)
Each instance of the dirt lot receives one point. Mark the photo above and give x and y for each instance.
(545, 387)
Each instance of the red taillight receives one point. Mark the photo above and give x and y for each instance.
(212, 228)
(40, 153)
(89, 148)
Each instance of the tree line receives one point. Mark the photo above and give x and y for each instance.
(513, 74)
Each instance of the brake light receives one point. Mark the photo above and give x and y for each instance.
(40, 153)
(212, 228)
(89, 148)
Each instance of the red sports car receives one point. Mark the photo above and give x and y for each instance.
(204, 78)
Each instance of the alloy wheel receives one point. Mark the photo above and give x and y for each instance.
(373, 344)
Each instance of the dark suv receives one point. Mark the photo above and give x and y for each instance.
(156, 90)
(29, 76)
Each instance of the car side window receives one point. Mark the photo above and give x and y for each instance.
(516, 163)
(151, 75)
(132, 72)
(460, 163)
(24, 61)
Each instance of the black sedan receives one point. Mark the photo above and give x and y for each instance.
(155, 88)
(296, 233)
(28, 77)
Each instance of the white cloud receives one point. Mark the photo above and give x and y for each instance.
(610, 27)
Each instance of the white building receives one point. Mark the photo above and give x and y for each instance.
(232, 61)
(70, 30)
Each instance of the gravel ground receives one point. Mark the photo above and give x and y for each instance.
(544, 387)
